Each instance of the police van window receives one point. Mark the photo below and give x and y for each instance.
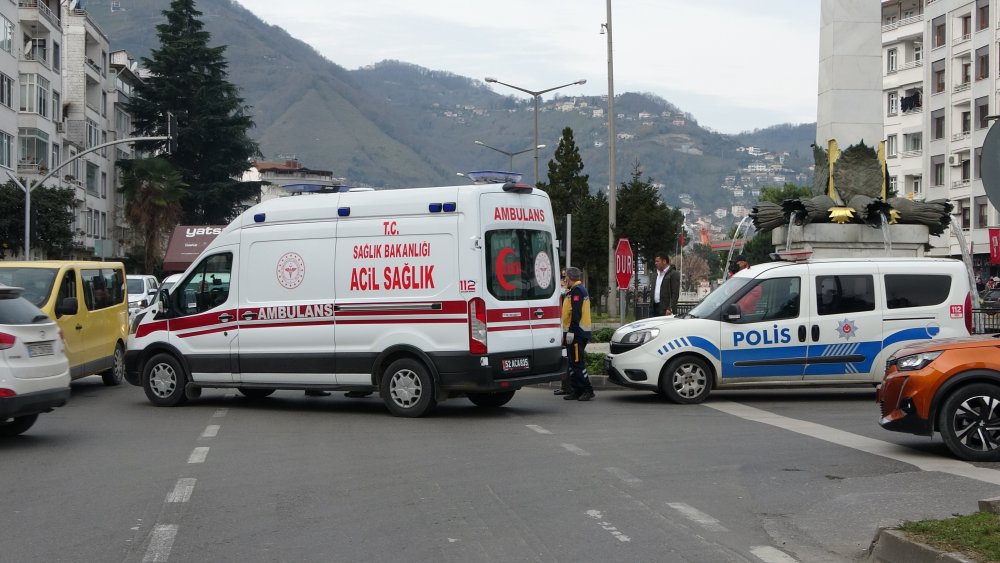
(836, 295)
(771, 300)
(520, 264)
(908, 290)
(207, 286)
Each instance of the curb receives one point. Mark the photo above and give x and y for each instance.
(893, 546)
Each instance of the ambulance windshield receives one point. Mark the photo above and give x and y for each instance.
(719, 297)
(520, 264)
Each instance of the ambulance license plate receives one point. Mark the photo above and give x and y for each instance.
(514, 365)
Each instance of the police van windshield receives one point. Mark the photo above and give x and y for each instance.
(719, 297)
(37, 282)
(520, 264)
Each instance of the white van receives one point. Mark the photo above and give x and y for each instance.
(419, 294)
(815, 322)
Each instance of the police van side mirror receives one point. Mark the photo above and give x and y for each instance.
(732, 313)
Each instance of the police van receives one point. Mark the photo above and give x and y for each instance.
(811, 322)
(418, 294)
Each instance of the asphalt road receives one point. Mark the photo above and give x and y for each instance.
(771, 476)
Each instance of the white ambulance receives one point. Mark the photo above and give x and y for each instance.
(418, 294)
(813, 322)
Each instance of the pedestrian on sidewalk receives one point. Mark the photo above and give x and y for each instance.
(576, 333)
(667, 290)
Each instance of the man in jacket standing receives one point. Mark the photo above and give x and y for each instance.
(668, 286)
(576, 334)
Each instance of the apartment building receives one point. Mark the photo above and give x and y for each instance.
(938, 89)
(70, 94)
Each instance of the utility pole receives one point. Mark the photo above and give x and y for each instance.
(612, 187)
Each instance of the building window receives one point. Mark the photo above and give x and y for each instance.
(937, 171)
(966, 122)
(966, 217)
(56, 56)
(913, 142)
(938, 81)
(940, 36)
(6, 35)
(967, 26)
(890, 145)
(982, 214)
(966, 170)
(34, 146)
(918, 52)
(892, 104)
(966, 72)
(983, 16)
(982, 111)
(104, 184)
(56, 107)
(978, 158)
(916, 186)
(92, 187)
(6, 150)
(55, 156)
(937, 124)
(890, 61)
(982, 63)
(6, 90)
(34, 94)
(892, 185)
(93, 134)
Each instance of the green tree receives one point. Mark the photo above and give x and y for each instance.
(643, 218)
(189, 79)
(153, 191)
(52, 211)
(590, 242)
(567, 185)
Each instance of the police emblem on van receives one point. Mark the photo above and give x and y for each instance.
(510, 365)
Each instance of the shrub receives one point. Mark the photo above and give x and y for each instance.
(602, 335)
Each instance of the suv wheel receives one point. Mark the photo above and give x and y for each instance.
(970, 422)
(18, 425)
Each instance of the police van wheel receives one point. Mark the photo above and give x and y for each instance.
(491, 400)
(407, 388)
(163, 380)
(969, 423)
(116, 374)
(686, 380)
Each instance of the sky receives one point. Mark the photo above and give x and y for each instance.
(734, 65)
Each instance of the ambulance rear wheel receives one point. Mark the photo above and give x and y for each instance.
(686, 380)
(407, 388)
(163, 380)
(491, 400)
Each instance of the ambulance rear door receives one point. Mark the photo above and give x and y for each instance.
(521, 289)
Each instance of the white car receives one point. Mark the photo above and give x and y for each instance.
(141, 292)
(34, 371)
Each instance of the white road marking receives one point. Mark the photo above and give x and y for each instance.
(198, 455)
(182, 490)
(625, 476)
(574, 449)
(770, 554)
(219, 413)
(211, 431)
(618, 535)
(697, 516)
(160, 543)
(924, 461)
(538, 429)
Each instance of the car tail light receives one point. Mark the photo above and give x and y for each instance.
(477, 326)
(4, 393)
(968, 312)
(7, 340)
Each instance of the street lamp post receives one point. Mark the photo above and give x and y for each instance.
(511, 155)
(535, 94)
(612, 186)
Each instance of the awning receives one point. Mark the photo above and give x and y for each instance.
(186, 244)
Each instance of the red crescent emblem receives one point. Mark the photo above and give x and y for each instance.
(499, 269)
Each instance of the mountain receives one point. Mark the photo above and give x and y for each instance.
(396, 124)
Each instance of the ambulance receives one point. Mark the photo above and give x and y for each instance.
(808, 322)
(416, 294)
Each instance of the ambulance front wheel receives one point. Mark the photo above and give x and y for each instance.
(407, 388)
(686, 380)
(163, 380)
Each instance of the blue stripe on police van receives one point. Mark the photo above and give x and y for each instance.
(920, 333)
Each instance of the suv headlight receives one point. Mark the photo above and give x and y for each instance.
(917, 361)
(640, 336)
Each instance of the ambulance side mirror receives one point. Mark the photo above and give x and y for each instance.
(732, 313)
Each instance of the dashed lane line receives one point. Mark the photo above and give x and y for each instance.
(161, 541)
(608, 526)
(769, 554)
(538, 429)
(698, 517)
(182, 490)
(219, 413)
(575, 450)
(924, 461)
(625, 476)
(198, 455)
(211, 431)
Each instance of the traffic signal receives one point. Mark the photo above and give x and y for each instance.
(171, 133)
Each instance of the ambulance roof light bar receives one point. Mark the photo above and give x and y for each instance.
(493, 176)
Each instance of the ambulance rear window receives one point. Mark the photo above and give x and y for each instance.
(520, 264)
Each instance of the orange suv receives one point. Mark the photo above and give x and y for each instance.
(951, 386)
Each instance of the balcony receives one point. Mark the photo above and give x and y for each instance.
(911, 64)
(961, 136)
(963, 183)
(910, 154)
(903, 22)
(962, 87)
(46, 12)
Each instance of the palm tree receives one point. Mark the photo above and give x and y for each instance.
(153, 189)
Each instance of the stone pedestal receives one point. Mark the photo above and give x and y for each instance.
(830, 240)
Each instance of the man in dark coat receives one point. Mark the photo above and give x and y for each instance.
(667, 288)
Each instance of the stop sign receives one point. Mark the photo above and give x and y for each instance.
(623, 263)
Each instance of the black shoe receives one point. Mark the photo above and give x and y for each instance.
(560, 392)
(317, 393)
(357, 394)
(572, 397)
(586, 396)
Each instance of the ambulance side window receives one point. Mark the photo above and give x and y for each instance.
(207, 286)
(837, 295)
(770, 300)
(519, 264)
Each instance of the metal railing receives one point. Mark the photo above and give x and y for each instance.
(42, 9)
